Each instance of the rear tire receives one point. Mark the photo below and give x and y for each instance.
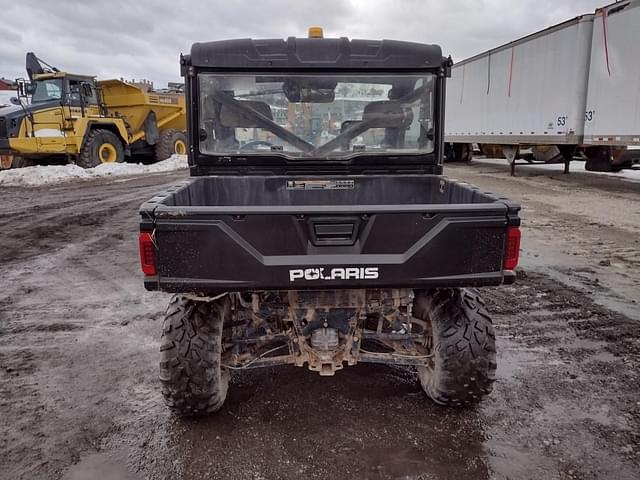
(101, 146)
(192, 377)
(171, 142)
(464, 352)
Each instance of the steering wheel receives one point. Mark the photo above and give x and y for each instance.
(256, 143)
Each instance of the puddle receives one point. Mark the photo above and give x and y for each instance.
(608, 288)
(555, 412)
(585, 344)
(100, 466)
(366, 422)
(510, 462)
(398, 462)
(562, 313)
(596, 350)
(512, 358)
(604, 357)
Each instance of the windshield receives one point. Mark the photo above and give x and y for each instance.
(46, 90)
(319, 116)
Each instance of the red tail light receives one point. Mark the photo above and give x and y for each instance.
(512, 248)
(147, 253)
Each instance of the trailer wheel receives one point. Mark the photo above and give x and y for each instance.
(603, 159)
(171, 142)
(463, 365)
(193, 380)
(100, 146)
(459, 152)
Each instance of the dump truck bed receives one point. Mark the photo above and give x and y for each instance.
(221, 233)
(136, 104)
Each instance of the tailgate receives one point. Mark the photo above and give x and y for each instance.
(211, 249)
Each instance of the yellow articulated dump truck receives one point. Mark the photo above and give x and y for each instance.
(76, 118)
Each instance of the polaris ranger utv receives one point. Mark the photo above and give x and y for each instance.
(316, 228)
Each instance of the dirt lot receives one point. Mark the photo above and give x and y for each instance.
(79, 346)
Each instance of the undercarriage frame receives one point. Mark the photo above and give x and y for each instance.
(325, 329)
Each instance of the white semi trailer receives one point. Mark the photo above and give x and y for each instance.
(573, 86)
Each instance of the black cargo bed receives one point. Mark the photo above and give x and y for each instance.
(249, 232)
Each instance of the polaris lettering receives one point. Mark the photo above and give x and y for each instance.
(336, 273)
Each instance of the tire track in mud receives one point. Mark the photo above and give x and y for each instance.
(56, 221)
(81, 257)
(565, 406)
(78, 368)
(70, 288)
(576, 366)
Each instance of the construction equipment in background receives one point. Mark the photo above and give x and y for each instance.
(8, 98)
(571, 88)
(76, 118)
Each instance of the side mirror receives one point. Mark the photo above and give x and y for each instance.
(14, 100)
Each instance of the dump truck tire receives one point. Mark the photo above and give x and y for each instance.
(101, 146)
(21, 162)
(464, 353)
(171, 142)
(192, 377)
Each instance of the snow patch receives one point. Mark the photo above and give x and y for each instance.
(55, 174)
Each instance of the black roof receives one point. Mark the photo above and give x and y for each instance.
(329, 53)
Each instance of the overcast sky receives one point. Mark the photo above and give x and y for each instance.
(143, 38)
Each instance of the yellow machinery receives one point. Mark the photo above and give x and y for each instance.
(77, 118)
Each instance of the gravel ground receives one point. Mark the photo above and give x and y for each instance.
(79, 338)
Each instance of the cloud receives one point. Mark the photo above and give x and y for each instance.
(143, 39)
